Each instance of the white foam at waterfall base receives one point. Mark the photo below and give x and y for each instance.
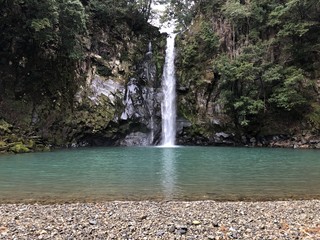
(168, 107)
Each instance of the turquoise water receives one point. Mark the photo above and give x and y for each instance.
(140, 173)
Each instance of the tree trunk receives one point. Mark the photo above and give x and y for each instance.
(2, 89)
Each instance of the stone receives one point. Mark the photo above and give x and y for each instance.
(215, 224)
(196, 222)
(160, 233)
(222, 134)
(171, 228)
(314, 141)
(92, 222)
(257, 222)
(143, 217)
(135, 139)
(182, 231)
(3, 230)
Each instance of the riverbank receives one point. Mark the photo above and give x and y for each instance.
(162, 220)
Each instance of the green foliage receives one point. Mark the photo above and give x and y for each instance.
(40, 24)
(19, 148)
(201, 45)
(107, 12)
(295, 29)
(42, 42)
(314, 116)
(189, 54)
(288, 94)
(208, 39)
(5, 127)
(72, 20)
(240, 86)
(287, 98)
(246, 106)
(34, 19)
(182, 11)
(272, 74)
(236, 11)
(264, 55)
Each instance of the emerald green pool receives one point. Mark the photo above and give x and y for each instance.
(152, 173)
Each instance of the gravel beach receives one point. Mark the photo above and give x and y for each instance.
(162, 220)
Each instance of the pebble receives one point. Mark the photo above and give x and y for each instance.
(93, 222)
(165, 220)
(160, 233)
(143, 217)
(215, 224)
(182, 231)
(171, 229)
(195, 222)
(3, 230)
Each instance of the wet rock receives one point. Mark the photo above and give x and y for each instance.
(136, 139)
(222, 135)
(105, 88)
(182, 123)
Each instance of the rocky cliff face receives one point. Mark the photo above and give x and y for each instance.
(117, 100)
(119, 104)
(134, 103)
(212, 103)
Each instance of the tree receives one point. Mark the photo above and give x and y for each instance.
(38, 37)
(72, 19)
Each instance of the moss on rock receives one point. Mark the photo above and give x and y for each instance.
(19, 147)
(5, 128)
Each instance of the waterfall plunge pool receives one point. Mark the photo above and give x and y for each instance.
(153, 173)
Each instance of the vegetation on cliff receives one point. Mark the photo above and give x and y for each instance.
(49, 53)
(246, 69)
(250, 67)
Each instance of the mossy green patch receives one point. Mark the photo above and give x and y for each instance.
(5, 127)
(19, 148)
(3, 146)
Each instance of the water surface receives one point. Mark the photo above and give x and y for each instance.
(140, 173)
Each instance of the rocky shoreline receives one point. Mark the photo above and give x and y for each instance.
(162, 220)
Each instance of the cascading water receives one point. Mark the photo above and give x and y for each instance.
(168, 107)
(150, 95)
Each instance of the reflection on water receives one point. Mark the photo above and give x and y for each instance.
(168, 172)
(183, 173)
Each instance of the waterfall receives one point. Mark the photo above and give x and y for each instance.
(150, 93)
(168, 107)
(150, 47)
